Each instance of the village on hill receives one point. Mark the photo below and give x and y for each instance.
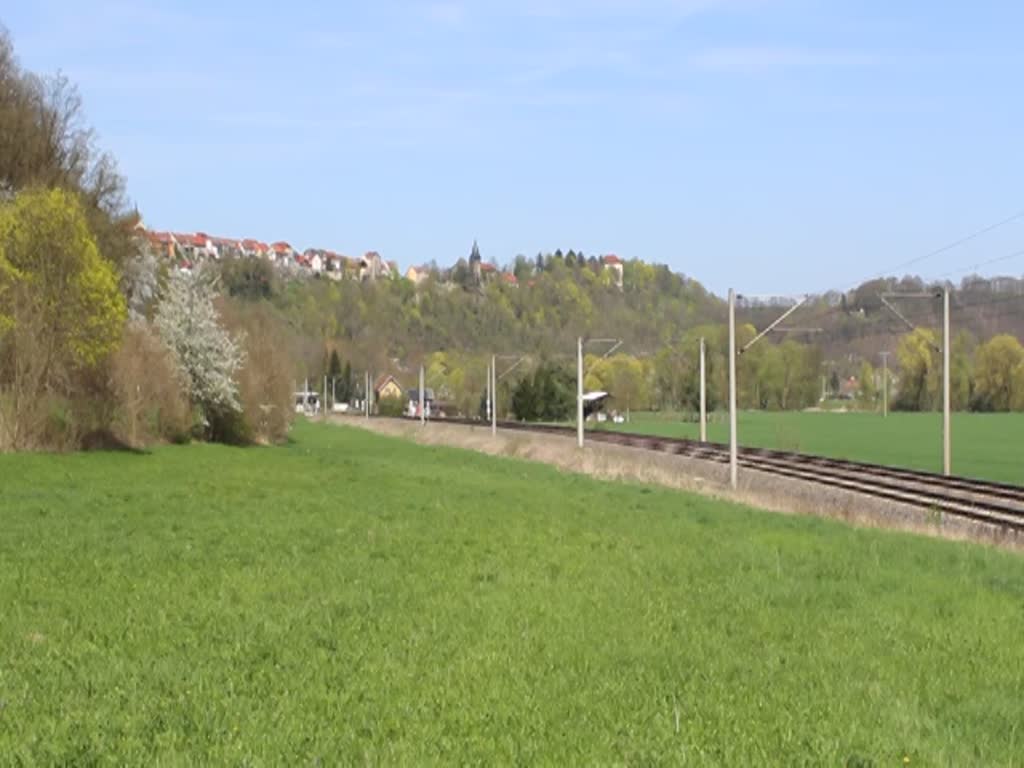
(188, 249)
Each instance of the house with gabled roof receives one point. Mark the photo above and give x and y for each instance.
(373, 266)
(253, 248)
(387, 387)
(161, 243)
(614, 264)
(204, 246)
(281, 252)
(187, 245)
(227, 247)
(417, 274)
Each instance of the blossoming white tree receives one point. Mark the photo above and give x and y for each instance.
(209, 357)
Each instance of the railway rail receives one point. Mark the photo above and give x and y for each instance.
(996, 504)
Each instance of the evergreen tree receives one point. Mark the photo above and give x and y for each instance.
(547, 395)
(334, 371)
(334, 366)
(462, 275)
(345, 388)
(524, 400)
(522, 268)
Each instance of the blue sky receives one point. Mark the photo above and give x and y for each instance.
(777, 146)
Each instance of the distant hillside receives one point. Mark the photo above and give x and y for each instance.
(858, 326)
(542, 311)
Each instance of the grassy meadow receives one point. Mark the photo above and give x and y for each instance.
(985, 445)
(350, 598)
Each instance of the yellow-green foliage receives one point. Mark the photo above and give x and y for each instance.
(51, 269)
(920, 364)
(999, 373)
(625, 377)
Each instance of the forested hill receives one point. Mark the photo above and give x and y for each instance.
(555, 300)
(858, 325)
(544, 312)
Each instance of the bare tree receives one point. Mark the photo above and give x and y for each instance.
(45, 141)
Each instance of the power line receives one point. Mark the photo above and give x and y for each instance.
(981, 264)
(920, 315)
(963, 240)
(943, 249)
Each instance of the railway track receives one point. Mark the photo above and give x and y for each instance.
(997, 504)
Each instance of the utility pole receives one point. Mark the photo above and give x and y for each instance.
(325, 397)
(616, 343)
(423, 400)
(733, 452)
(774, 326)
(947, 459)
(579, 392)
(703, 397)
(885, 385)
(487, 406)
(366, 395)
(495, 378)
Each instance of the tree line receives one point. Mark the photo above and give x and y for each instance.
(984, 377)
(100, 344)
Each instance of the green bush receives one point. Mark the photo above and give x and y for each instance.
(547, 395)
(391, 406)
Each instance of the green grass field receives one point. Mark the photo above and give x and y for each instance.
(350, 598)
(985, 445)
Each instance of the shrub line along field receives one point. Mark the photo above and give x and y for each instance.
(985, 446)
(354, 598)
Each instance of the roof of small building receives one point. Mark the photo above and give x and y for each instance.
(382, 381)
(163, 238)
(186, 238)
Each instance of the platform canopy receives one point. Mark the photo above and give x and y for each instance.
(593, 402)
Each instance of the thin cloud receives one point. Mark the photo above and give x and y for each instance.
(570, 8)
(447, 13)
(759, 60)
